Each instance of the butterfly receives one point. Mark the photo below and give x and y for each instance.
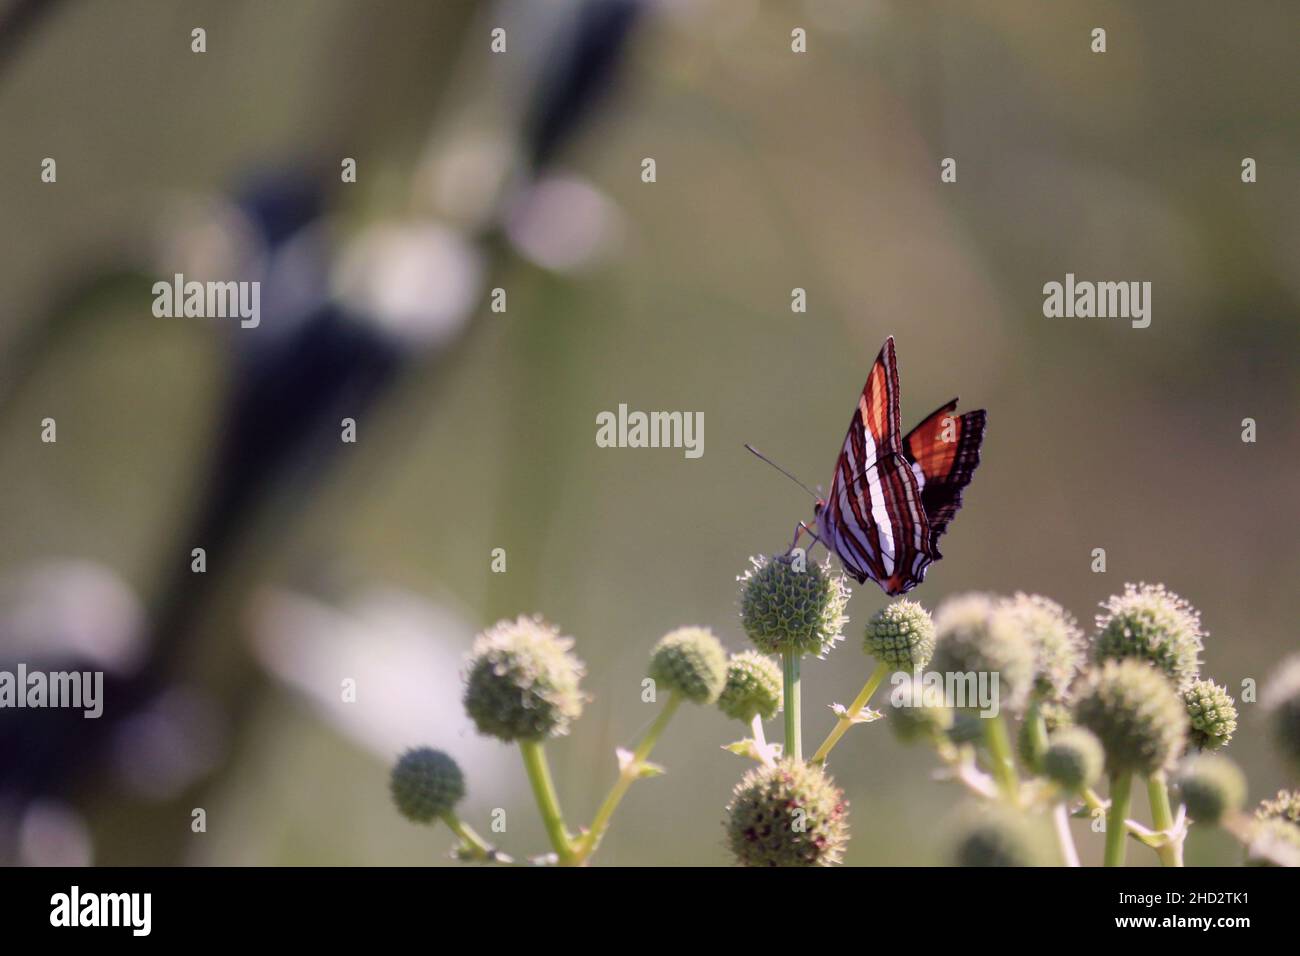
(894, 495)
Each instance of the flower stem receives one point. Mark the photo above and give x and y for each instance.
(473, 845)
(1036, 727)
(1136, 830)
(1061, 820)
(962, 768)
(628, 774)
(760, 739)
(846, 719)
(1121, 789)
(1002, 763)
(539, 776)
(1171, 854)
(793, 731)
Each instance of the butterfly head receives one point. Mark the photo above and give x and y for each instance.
(819, 507)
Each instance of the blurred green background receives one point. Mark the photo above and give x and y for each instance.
(775, 171)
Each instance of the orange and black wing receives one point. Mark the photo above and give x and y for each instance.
(944, 451)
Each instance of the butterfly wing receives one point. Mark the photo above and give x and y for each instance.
(874, 517)
(875, 424)
(944, 451)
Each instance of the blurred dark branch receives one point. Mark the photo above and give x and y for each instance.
(316, 360)
(582, 70)
(17, 21)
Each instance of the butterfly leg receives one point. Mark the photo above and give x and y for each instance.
(812, 534)
(799, 530)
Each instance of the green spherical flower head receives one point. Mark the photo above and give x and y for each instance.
(970, 640)
(901, 635)
(1212, 787)
(521, 682)
(425, 784)
(786, 609)
(790, 814)
(1282, 698)
(1054, 636)
(753, 687)
(1154, 625)
(1285, 806)
(994, 836)
(918, 712)
(690, 661)
(1074, 759)
(1274, 843)
(1135, 713)
(1213, 715)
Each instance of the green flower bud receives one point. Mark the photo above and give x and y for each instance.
(1282, 698)
(1073, 759)
(901, 635)
(521, 682)
(784, 609)
(1054, 636)
(790, 814)
(1213, 715)
(918, 712)
(1212, 787)
(967, 727)
(1151, 624)
(426, 784)
(991, 835)
(690, 661)
(1055, 717)
(753, 687)
(1285, 806)
(1273, 843)
(1139, 719)
(969, 639)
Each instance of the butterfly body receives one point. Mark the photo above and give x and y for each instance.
(894, 495)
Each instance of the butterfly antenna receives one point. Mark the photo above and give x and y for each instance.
(761, 457)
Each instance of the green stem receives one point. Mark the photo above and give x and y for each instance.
(760, 738)
(1036, 728)
(474, 845)
(1135, 830)
(1003, 765)
(1121, 790)
(1171, 854)
(539, 776)
(846, 719)
(793, 731)
(626, 777)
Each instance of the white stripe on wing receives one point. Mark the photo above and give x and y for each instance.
(880, 515)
